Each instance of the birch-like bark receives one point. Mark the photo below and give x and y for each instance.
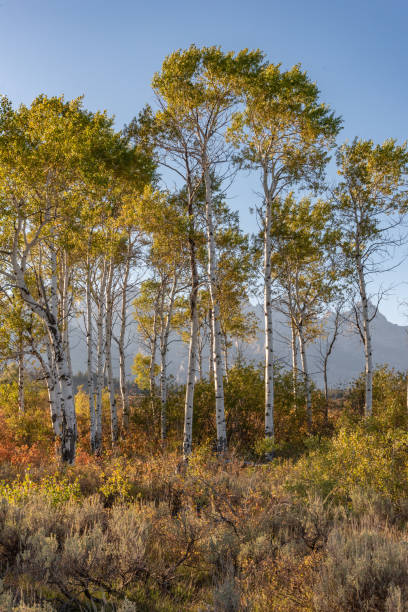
(100, 360)
(192, 349)
(294, 359)
(108, 354)
(20, 382)
(211, 350)
(89, 343)
(46, 314)
(54, 395)
(54, 311)
(225, 351)
(200, 347)
(121, 345)
(269, 390)
(164, 345)
(212, 276)
(191, 371)
(69, 424)
(50, 377)
(65, 310)
(61, 369)
(152, 386)
(306, 377)
(368, 351)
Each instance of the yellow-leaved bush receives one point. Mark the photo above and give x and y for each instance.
(355, 458)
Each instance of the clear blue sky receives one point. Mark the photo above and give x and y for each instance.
(357, 52)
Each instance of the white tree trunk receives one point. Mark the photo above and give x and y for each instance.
(69, 424)
(54, 395)
(121, 344)
(212, 276)
(69, 428)
(269, 390)
(100, 360)
(164, 345)
(200, 346)
(152, 364)
(89, 343)
(306, 377)
(368, 351)
(211, 367)
(50, 377)
(20, 382)
(108, 355)
(225, 351)
(192, 350)
(47, 315)
(294, 359)
(191, 371)
(65, 309)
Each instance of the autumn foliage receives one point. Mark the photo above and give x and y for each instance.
(319, 528)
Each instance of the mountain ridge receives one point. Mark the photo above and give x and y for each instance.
(390, 347)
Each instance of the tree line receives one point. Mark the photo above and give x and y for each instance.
(88, 231)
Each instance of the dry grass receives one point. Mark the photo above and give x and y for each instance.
(214, 537)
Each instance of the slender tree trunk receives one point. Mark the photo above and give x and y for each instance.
(225, 350)
(50, 377)
(192, 349)
(54, 395)
(89, 342)
(54, 311)
(306, 377)
(100, 360)
(191, 371)
(108, 355)
(269, 390)
(62, 370)
(211, 351)
(20, 383)
(69, 428)
(61, 360)
(163, 396)
(69, 424)
(65, 310)
(212, 276)
(152, 364)
(326, 392)
(294, 359)
(122, 357)
(200, 356)
(164, 344)
(368, 351)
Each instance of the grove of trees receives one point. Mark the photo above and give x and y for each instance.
(90, 236)
(240, 485)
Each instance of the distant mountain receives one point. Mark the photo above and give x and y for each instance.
(390, 346)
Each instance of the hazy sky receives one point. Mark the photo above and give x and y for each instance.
(357, 52)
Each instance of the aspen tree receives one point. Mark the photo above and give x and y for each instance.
(174, 146)
(284, 132)
(306, 271)
(54, 156)
(371, 194)
(195, 87)
(35, 146)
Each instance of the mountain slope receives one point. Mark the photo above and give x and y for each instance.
(390, 346)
